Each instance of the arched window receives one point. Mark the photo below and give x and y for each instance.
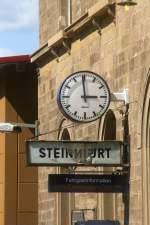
(66, 199)
(65, 135)
(109, 133)
(146, 154)
(109, 129)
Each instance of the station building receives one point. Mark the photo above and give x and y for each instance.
(114, 42)
(18, 104)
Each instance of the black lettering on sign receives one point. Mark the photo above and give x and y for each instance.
(49, 152)
(56, 153)
(42, 152)
(101, 153)
(108, 152)
(91, 153)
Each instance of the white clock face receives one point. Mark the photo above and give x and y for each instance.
(83, 96)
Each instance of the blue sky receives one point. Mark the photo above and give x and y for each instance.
(18, 27)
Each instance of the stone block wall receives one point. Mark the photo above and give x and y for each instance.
(121, 55)
(49, 11)
(54, 15)
(80, 7)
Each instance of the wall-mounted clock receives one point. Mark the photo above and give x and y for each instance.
(83, 96)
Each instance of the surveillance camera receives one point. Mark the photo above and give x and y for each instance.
(8, 127)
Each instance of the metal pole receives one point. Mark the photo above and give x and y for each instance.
(126, 143)
(25, 125)
(36, 132)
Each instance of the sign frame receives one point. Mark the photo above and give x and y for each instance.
(30, 163)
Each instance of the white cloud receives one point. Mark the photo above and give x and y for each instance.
(19, 14)
(6, 52)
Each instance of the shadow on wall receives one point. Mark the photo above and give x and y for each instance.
(19, 86)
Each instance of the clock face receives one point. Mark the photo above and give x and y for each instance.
(83, 96)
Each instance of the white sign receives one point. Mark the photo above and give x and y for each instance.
(57, 153)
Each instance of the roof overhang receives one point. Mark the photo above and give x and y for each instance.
(14, 59)
(13, 64)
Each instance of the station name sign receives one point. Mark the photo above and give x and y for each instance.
(87, 183)
(57, 153)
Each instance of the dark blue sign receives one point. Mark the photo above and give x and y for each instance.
(98, 222)
(87, 183)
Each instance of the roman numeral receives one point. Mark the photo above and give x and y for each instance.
(75, 113)
(84, 115)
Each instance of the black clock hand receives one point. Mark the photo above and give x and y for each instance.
(83, 84)
(89, 96)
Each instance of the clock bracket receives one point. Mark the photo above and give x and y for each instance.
(120, 96)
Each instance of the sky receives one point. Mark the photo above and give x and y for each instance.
(18, 27)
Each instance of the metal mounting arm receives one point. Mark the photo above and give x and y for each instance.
(120, 96)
